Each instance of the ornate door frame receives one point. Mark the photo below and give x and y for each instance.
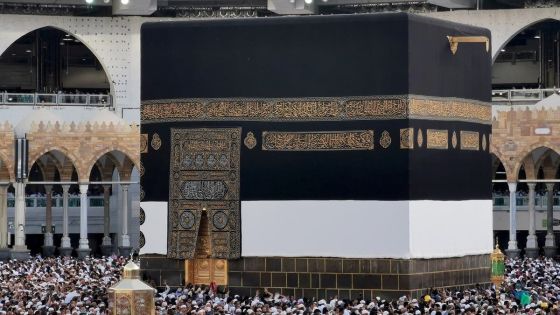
(204, 176)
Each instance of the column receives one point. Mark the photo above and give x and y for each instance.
(107, 215)
(532, 249)
(512, 250)
(84, 243)
(65, 248)
(48, 217)
(125, 249)
(125, 238)
(549, 243)
(3, 216)
(19, 250)
(19, 217)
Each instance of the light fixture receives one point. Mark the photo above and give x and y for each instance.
(537, 36)
(502, 50)
(125, 2)
(106, 1)
(67, 35)
(89, 1)
(13, 54)
(28, 51)
(309, 1)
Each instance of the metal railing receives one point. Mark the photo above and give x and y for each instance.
(41, 202)
(101, 100)
(540, 201)
(521, 95)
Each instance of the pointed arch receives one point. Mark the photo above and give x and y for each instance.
(496, 163)
(65, 167)
(517, 30)
(9, 42)
(110, 152)
(5, 173)
(529, 150)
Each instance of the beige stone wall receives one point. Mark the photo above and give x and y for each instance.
(7, 155)
(517, 133)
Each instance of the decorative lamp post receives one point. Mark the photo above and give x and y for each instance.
(131, 296)
(498, 266)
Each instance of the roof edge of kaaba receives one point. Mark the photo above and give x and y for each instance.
(315, 18)
(387, 107)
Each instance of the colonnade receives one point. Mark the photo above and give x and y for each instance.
(19, 249)
(532, 246)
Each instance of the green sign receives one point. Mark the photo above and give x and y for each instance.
(498, 268)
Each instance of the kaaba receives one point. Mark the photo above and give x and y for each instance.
(316, 156)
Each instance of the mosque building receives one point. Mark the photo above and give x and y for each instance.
(69, 161)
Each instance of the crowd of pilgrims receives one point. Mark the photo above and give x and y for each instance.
(71, 286)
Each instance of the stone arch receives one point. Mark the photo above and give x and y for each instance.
(548, 166)
(496, 162)
(49, 166)
(42, 168)
(65, 167)
(508, 167)
(53, 165)
(5, 173)
(6, 43)
(123, 173)
(515, 31)
(127, 168)
(106, 169)
(529, 150)
(530, 167)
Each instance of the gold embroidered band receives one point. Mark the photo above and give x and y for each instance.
(317, 109)
(318, 141)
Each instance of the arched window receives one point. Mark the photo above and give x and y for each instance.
(49, 60)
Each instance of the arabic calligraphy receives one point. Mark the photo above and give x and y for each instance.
(318, 141)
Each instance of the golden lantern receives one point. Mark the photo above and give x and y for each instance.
(131, 296)
(498, 266)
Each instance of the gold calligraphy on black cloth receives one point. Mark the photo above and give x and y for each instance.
(470, 140)
(318, 141)
(351, 108)
(204, 176)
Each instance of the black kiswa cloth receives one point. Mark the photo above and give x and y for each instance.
(312, 56)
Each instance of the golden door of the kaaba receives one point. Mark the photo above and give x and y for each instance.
(203, 269)
(204, 219)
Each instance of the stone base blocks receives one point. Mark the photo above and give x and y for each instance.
(355, 278)
(328, 277)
